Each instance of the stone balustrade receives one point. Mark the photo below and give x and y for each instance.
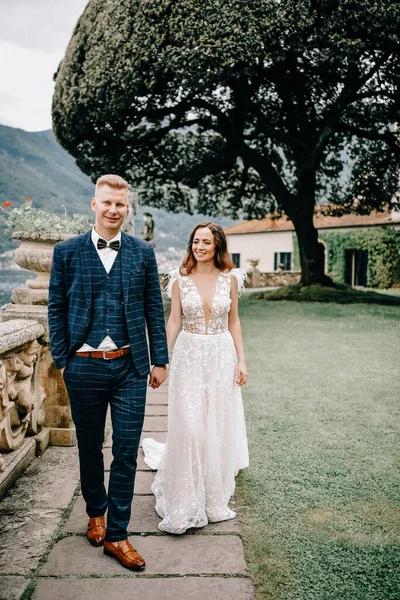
(34, 404)
(279, 278)
(257, 279)
(21, 393)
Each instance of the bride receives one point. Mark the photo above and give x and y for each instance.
(206, 442)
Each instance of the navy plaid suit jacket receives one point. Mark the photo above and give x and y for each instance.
(70, 300)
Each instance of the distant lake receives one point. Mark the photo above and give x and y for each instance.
(10, 279)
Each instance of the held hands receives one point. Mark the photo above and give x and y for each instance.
(157, 376)
(241, 373)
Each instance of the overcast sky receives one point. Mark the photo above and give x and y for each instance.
(34, 35)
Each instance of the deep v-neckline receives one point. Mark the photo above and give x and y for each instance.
(207, 324)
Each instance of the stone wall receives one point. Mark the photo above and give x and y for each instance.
(256, 279)
(279, 278)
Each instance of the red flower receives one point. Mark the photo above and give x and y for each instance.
(7, 204)
(25, 197)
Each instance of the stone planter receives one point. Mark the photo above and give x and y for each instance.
(35, 254)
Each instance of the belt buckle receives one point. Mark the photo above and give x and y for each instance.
(104, 355)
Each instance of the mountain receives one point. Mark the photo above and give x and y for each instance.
(35, 164)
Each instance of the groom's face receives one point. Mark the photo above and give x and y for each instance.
(111, 207)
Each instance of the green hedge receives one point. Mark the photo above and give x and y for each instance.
(382, 244)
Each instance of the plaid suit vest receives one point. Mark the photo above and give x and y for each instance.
(108, 315)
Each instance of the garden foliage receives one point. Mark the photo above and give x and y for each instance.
(239, 106)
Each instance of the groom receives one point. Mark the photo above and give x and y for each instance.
(104, 292)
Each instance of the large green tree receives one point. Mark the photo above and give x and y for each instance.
(239, 106)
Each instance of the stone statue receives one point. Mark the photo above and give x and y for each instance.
(129, 223)
(147, 232)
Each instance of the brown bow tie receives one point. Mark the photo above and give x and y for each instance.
(103, 244)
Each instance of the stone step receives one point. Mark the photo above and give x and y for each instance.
(171, 588)
(144, 519)
(143, 482)
(165, 555)
(155, 424)
(156, 410)
(160, 399)
(33, 509)
(15, 464)
(12, 587)
(159, 396)
(26, 539)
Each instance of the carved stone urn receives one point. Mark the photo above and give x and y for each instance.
(254, 274)
(254, 262)
(35, 254)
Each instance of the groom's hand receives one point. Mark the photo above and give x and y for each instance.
(157, 376)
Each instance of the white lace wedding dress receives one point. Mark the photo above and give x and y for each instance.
(206, 442)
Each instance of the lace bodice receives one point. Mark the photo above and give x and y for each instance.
(193, 315)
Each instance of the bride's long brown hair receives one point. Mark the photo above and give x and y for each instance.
(222, 260)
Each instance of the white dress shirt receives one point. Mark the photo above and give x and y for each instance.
(107, 256)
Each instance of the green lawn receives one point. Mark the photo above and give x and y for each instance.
(320, 502)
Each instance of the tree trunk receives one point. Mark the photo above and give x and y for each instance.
(312, 252)
(300, 208)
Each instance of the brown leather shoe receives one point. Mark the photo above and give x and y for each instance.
(96, 531)
(125, 553)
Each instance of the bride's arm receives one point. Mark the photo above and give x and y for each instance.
(236, 333)
(175, 318)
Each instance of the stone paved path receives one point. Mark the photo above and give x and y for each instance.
(58, 562)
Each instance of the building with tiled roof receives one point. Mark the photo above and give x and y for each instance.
(272, 243)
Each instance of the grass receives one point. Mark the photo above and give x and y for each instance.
(319, 505)
(341, 294)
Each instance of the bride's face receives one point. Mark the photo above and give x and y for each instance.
(203, 246)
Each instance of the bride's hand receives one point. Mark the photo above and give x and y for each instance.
(241, 373)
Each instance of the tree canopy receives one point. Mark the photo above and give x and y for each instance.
(257, 105)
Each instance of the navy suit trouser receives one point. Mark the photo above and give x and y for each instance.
(94, 384)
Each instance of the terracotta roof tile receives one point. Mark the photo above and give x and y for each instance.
(320, 222)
